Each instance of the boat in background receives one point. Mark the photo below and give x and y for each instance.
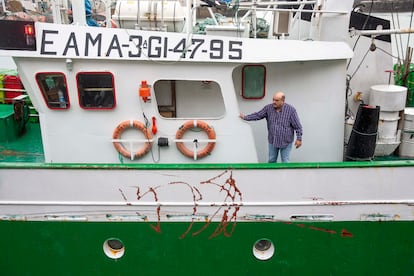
(139, 162)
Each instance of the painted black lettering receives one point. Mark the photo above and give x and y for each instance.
(93, 41)
(154, 52)
(115, 45)
(180, 47)
(237, 51)
(47, 42)
(197, 43)
(71, 43)
(137, 42)
(216, 49)
(165, 47)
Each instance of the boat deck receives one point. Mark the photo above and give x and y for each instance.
(25, 148)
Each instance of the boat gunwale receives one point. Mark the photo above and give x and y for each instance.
(207, 166)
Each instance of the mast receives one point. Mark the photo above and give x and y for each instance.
(78, 9)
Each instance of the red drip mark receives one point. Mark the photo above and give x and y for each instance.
(232, 193)
(228, 209)
(151, 190)
(346, 234)
(225, 221)
(157, 228)
(124, 197)
(322, 230)
(196, 197)
(228, 219)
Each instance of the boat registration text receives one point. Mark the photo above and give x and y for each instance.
(137, 45)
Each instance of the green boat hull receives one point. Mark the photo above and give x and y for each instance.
(316, 248)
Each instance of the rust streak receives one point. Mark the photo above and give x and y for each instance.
(196, 194)
(346, 234)
(232, 193)
(123, 195)
(228, 210)
(157, 228)
(322, 230)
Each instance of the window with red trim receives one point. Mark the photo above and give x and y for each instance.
(54, 90)
(253, 81)
(96, 90)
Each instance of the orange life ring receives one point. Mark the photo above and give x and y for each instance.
(121, 149)
(192, 153)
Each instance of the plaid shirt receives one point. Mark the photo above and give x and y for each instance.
(280, 125)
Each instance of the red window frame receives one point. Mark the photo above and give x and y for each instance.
(244, 79)
(95, 94)
(50, 83)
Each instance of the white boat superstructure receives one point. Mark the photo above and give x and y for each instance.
(208, 78)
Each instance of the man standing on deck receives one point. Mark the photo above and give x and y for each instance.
(282, 121)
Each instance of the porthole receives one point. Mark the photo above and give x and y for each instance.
(113, 248)
(263, 249)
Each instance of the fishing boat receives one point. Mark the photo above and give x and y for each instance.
(138, 162)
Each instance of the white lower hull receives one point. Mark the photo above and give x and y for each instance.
(327, 193)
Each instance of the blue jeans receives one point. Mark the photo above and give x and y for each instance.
(284, 153)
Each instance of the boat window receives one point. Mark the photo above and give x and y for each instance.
(253, 81)
(96, 90)
(54, 90)
(189, 99)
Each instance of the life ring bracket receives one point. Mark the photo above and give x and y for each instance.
(195, 153)
(120, 148)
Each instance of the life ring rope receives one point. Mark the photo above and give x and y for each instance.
(131, 153)
(195, 153)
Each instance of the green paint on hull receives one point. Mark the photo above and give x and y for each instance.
(318, 248)
(26, 148)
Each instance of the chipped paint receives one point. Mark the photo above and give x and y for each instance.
(259, 217)
(312, 217)
(379, 217)
(136, 217)
(13, 217)
(187, 217)
(65, 218)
